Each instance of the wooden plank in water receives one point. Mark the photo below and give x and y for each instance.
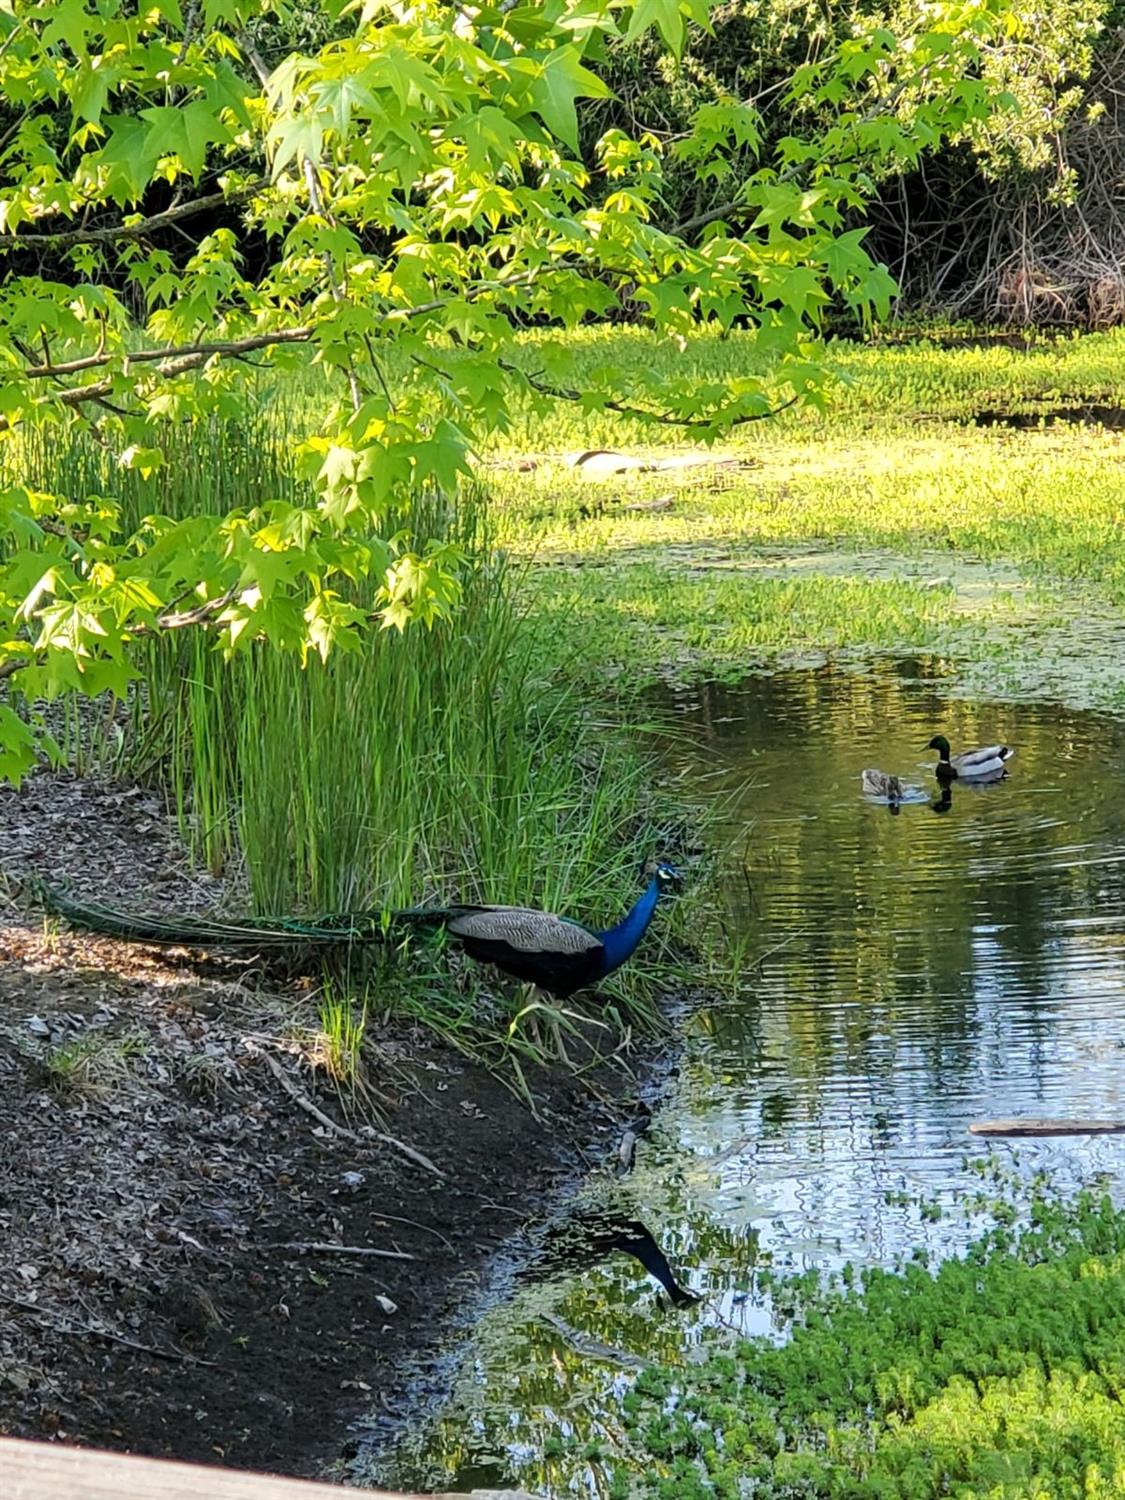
(50, 1471)
(1047, 1127)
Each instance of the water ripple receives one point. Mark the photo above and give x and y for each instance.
(919, 971)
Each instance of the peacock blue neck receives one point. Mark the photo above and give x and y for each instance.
(621, 941)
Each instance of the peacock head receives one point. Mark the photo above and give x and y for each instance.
(941, 745)
(667, 877)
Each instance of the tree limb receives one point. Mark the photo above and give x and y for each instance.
(197, 616)
(112, 232)
(666, 419)
(173, 355)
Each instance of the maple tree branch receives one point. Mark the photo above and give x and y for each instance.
(200, 615)
(665, 419)
(171, 355)
(253, 57)
(174, 359)
(170, 619)
(112, 232)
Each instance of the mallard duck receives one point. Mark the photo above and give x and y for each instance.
(879, 784)
(970, 765)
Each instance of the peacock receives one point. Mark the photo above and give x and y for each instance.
(970, 765)
(556, 954)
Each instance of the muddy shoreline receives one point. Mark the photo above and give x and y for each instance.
(187, 1252)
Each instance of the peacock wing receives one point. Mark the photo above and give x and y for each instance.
(558, 956)
(524, 930)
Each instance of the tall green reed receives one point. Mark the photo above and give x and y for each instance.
(448, 763)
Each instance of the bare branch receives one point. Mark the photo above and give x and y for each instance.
(664, 418)
(200, 615)
(172, 356)
(253, 57)
(110, 233)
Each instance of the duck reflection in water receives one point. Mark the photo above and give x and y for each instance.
(943, 803)
(585, 1239)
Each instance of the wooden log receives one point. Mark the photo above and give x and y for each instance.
(1047, 1127)
(51, 1471)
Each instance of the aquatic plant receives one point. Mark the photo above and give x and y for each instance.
(998, 1375)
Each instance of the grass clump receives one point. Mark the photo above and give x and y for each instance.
(999, 1375)
(92, 1065)
(339, 1042)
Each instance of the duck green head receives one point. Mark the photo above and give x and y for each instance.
(941, 745)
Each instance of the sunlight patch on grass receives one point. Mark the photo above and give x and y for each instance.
(894, 522)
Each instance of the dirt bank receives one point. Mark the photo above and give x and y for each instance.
(171, 1207)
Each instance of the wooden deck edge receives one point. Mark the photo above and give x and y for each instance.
(52, 1471)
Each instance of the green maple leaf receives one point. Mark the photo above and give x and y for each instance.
(89, 94)
(555, 85)
(298, 137)
(488, 134)
(268, 570)
(338, 467)
(17, 747)
(442, 457)
(70, 24)
(128, 159)
(185, 131)
(107, 674)
(217, 11)
(664, 15)
(331, 624)
(340, 98)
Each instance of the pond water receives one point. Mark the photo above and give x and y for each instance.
(916, 972)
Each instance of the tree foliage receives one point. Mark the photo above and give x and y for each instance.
(415, 174)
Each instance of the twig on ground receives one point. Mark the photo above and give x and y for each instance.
(322, 1247)
(303, 1101)
(414, 1224)
(369, 1132)
(419, 1158)
(63, 1324)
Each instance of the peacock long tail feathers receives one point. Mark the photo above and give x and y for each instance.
(187, 931)
(328, 931)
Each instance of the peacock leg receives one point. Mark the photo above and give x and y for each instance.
(528, 1013)
(534, 1004)
(556, 1035)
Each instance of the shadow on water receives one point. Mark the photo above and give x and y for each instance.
(910, 974)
